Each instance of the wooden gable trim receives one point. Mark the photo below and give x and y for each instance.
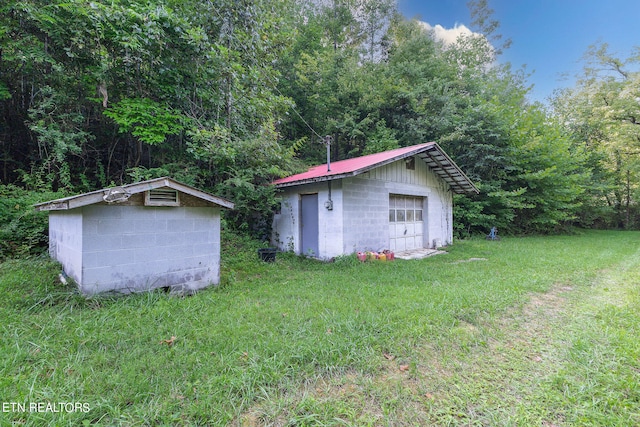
(97, 196)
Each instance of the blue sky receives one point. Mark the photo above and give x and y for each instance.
(550, 37)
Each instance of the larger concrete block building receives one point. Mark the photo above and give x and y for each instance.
(399, 200)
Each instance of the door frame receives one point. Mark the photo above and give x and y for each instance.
(425, 216)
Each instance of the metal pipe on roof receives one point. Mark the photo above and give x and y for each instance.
(327, 142)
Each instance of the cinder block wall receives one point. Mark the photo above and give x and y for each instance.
(137, 248)
(286, 223)
(331, 222)
(366, 215)
(366, 206)
(65, 241)
(440, 214)
(286, 228)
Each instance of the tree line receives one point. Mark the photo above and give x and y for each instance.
(227, 95)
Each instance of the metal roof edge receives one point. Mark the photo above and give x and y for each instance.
(394, 159)
(324, 178)
(455, 165)
(198, 193)
(362, 170)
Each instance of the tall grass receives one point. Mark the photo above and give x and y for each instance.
(302, 342)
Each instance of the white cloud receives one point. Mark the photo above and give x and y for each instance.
(449, 36)
(480, 54)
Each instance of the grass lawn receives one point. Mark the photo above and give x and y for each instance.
(539, 331)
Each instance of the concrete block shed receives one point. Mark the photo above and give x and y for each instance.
(399, 200)
(153, 234)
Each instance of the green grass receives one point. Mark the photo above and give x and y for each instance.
(531, 331)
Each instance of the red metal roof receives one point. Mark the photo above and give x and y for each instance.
(429, 152)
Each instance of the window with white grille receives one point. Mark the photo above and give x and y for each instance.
(162, 197)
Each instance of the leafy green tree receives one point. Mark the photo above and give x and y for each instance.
(551, 170)
(603, 114)
(228, 95)
(101, 92)
(529, 175)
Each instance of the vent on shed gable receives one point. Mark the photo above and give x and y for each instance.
(410, 163)
(162, 197)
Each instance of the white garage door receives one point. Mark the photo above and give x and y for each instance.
(406, 223)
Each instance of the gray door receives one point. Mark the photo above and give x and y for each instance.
(309, 224)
